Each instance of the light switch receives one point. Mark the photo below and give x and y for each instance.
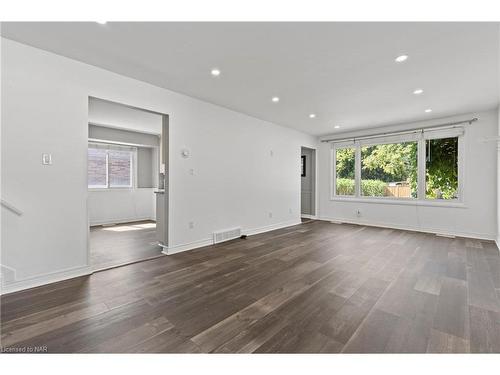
(47, 159)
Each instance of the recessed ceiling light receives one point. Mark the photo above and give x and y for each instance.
(428, 110)
(401, 58)
(418, 91)
(337, 126)
(215, 72)
(312, 115)
(275, 99)
(102, 22)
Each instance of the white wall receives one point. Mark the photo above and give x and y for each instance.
(115, 115)
(121, 205)
(478, 217)
(236, 180)
(106, 206)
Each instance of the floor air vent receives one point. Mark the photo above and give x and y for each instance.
(226, 235)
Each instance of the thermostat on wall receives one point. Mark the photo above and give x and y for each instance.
(185, 153)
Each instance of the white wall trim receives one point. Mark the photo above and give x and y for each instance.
(169, 250)
(305, 216)
(268, 228)
(401, 201)
(121, 221)
(45, 279)
(479, 236)
(209, 241)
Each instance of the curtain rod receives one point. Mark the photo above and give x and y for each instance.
(378, 135)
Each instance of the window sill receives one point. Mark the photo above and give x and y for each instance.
(111, 189)
(403, 202)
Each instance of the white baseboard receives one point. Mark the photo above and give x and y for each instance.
(48, 278)
(268, 228)
(187, 246)
(209, 241)
(309, 216)
(121, 221)
(478, 236)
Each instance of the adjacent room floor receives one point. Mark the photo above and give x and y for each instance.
(122, 243)
(314, 287)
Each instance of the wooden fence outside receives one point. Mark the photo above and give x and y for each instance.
(398, 191)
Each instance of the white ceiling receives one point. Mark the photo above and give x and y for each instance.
(343, 72)
(103, 112)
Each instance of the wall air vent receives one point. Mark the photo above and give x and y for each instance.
(226, 235)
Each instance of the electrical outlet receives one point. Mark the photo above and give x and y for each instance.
(191, 225)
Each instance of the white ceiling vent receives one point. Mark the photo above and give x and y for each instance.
(226, 235)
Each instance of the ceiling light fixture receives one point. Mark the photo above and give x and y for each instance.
(312, 115)
(275, 99)
(428, 110)
(418, 91)
(401, 58)
(337, 126)
(215, 72)
(102, 22)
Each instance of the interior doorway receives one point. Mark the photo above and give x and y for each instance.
(126, 173)
(308, 182)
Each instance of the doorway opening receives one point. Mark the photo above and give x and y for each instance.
(126, 177)
(307, 183)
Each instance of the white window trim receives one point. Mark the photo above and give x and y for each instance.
(421, 199)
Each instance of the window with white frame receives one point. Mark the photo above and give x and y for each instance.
(110, 166)
(418, 165)
(345, 167)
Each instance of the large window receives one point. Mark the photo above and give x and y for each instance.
(389, 170)
(110, 166)
(421, 165)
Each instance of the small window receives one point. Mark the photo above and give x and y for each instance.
(389, 170)
(441, 168)
(345, 159)
(110, 166)
(97, 168)
(120, 168)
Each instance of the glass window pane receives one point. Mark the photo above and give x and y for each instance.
(389, 170)
(441, 168)
(344, 164)
(119, 164)
(96, 168)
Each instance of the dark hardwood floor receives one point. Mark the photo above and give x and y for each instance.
(316, 287)
(122, 243)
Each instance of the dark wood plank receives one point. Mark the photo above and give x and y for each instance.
(452, 310)
(119, 244)
(485, 330)
(317, 287)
